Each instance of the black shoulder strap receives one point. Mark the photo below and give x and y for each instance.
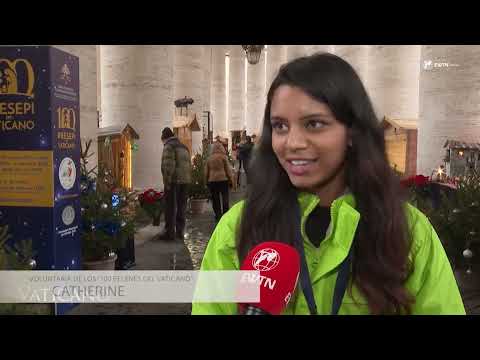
(342, 282)
(342, 278)
(304, 274)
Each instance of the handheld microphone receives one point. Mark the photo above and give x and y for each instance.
(279, 267)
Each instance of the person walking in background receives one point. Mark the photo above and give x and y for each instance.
(177, 174)
(240, 160)
(218, 175)
(244, 155)
(217, 140)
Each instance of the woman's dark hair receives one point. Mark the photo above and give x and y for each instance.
(382, 241)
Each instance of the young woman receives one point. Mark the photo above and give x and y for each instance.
(322, 148)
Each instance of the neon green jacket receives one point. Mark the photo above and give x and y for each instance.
(432, 281)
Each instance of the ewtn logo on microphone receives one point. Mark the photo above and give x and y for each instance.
(435, 65)
(264, 260)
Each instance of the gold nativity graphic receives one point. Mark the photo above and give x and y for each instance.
(66, 118)
(66, 127)
(12, 84)
(9, 78)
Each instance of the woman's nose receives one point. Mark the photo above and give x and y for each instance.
(296, 139)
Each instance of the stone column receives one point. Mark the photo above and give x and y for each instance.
(218, 95)
(137, 88)
(188, 81)
(312, 49)
(237, 89)
(276, 57)
(255, 96)
(449, 101)
(393, 80)
(206, 88)
(295, 51)
(99, 85)
(118, 82)
(357, 56)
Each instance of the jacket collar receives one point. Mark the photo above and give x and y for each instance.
(339, 238)
(309, 201)
(173, 138)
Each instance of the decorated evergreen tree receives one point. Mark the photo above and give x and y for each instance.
(198, 188)
(454, 211)
(18, 257)
(108, 212)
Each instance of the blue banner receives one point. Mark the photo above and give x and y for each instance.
(40, 153)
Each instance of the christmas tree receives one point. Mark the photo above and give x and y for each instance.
(18, 257)
(198, 188)
(454, 212)
(108, 212)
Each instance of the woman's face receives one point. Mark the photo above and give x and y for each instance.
(308, 141)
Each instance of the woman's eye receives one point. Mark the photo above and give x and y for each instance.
(315, 124)
(279, 127)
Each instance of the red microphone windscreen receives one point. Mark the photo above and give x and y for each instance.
(279, 267)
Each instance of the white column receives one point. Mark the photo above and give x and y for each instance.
(449, 101)
(118, 83)
(312, 49)
(237, 88)
(206, 88)
(393, 80)
(277, 56)
(137, 88)
(188, 81)
(218, 97)
(156, 109)
(357, 56)
(255, 96)
(295, 51)
(87, 55)
(99, 84)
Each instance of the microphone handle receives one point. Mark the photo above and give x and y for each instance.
(252, 310)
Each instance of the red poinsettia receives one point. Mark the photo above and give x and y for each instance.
(417, 180)
(150, 196)
(153, 203)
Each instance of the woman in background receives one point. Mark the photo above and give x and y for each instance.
(219, 176)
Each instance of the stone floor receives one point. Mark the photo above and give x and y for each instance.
(470, 290)
(154, 254)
